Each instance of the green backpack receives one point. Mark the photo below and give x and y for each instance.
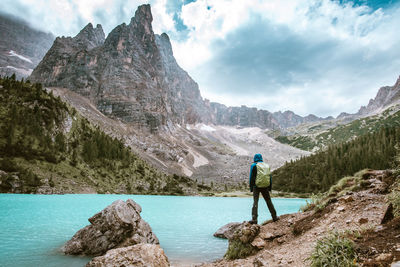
(263, 175)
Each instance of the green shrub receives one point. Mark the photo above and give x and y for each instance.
(316, 203)
(394, 198)
(239, 250)
(334, 250)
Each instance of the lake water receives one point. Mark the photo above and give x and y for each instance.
(34, 227)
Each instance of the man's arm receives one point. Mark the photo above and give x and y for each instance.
(253, 175)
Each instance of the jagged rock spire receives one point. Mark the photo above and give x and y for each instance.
(91, 37)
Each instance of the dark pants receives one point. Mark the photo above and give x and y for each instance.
(267, 198)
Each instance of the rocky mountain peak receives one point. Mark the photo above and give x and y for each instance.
(131, 75)
(141, 22)
(90, 37)
(142, 16)
(386, 96)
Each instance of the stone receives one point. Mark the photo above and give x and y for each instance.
(395, 264)
(341, 208)
(384, 257)
(348, 199)
(388, 214)
(247, 232)
(270, 235)
(258, 243)
(118, 225)
(146, 255)
(259, 262)
(227, 230)
(363, 220)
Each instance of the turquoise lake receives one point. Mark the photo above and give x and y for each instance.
(34, 227)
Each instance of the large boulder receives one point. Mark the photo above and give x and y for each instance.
(227, 230)
(148, 255)
(118, 225)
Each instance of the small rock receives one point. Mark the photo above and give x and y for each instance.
(395, 264)
(341, 208)
(348, 221)
(363, 220)
(259, 262)
(384, 257)
(143, 255)
(348, 199)
(258, 243)
(269, 235)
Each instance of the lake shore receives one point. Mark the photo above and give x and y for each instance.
(274, 194)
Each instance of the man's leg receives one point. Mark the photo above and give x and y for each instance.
(267, 197)
(254, 210)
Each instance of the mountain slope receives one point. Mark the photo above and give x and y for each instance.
(47, 147)
(21, 47)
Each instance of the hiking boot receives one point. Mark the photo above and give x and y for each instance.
(253, 222)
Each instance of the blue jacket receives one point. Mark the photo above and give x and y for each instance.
(253, 172)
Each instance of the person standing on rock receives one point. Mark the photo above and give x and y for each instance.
(261, 182)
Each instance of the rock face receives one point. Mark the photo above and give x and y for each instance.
(21, 47)
(131, 75)
(146, 255)
(227, 231)
(386, 96)
(253, 117)
(118, 225)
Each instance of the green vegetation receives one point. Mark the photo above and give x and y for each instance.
(394, 196)
(347, 184)
(334, 250)
(301, 142)
(342, 133)
(318, 172)
(44, 142)
(239, 250)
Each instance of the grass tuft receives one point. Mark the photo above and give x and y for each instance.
(334, 250)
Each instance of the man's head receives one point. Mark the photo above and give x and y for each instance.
(258, 158)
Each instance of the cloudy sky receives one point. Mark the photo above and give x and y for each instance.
(308, 56)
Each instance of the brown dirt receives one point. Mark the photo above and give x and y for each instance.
(375, 242)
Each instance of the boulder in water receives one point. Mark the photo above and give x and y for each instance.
(148, 255)
(227, 230)
(118, 225)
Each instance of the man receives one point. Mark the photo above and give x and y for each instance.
(261, 184)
